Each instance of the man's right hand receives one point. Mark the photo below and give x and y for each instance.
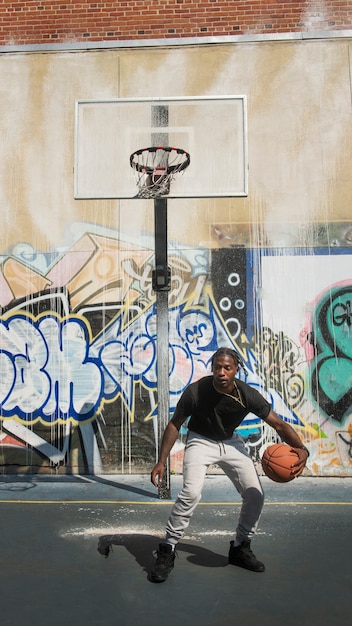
(157, 474)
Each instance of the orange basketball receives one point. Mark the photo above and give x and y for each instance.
(277, 461)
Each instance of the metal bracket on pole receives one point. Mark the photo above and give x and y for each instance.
(161, 286)
(161, 278)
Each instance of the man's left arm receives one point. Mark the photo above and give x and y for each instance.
(289, 436)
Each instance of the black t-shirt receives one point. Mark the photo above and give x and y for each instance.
(216, 415)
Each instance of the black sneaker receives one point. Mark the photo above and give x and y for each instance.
(164, 563)
(243, 556)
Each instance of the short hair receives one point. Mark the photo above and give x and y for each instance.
(227, 352)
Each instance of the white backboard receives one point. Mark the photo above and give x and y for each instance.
(212, 129)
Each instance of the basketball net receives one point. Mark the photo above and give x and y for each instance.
(156, 167)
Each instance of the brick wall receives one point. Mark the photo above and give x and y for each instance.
(49, 21)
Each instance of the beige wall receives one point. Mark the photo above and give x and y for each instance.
(299, 134)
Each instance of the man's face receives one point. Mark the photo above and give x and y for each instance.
(224, 371)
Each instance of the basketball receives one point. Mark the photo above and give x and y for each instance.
(277, 461)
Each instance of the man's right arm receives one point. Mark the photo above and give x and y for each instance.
(169, 438)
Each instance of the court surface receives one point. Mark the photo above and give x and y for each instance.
(52, 572)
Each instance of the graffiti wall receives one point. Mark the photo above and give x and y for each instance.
(78, 391)
(268, 273)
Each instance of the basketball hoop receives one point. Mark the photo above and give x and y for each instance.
(156, 167)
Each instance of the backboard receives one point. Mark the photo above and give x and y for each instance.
(213, 130)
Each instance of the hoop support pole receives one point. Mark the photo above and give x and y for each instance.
(161, 285)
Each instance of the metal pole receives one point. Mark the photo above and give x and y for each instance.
(161, 286)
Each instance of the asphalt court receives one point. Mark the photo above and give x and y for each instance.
(55, 528)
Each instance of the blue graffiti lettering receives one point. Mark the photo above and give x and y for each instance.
(51, 378)
(53, 371)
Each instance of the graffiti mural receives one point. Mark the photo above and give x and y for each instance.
(78, 391)
(310, 299)
(278, 366)
(331, 339)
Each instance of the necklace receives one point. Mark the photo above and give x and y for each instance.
(229, 395)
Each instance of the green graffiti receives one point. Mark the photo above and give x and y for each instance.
(331, 370)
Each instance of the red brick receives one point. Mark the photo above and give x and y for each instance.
(133, 19)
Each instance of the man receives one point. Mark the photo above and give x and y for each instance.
(217, 405)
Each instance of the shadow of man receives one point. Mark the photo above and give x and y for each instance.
(143, 547)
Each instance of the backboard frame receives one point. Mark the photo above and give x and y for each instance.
(99, 121)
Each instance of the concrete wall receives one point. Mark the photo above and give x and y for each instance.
(269, 273)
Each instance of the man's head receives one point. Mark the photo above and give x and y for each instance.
(227, 352)
(224, 365)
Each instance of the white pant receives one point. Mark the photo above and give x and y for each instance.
(234, 460)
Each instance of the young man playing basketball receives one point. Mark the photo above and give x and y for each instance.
(217, 405)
